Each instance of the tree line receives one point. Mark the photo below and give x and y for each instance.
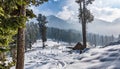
(69, 36)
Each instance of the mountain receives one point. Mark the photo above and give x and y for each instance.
(100, 22)
(56, 22)
(97, 26)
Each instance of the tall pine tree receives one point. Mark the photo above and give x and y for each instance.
(21, 35)
(42, 27)
(84, 17)
(13, 16)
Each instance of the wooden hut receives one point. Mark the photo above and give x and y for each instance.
(78, 46)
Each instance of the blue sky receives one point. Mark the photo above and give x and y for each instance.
(53, 6)
(68, 9)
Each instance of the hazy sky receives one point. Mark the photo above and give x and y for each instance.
(107, 10)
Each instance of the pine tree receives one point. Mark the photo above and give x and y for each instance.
(21, 35)
(84, 17)
(8, 25)
(42, 27)
(13, 16)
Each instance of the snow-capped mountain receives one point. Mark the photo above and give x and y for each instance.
(97, 26)
(56, 22)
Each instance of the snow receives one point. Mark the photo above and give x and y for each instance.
(99, 58)
(56, 56)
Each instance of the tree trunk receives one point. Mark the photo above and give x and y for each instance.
(21, 42)
(84, 25)
(20, 49)
(84, 34)
(83, 21)
(43, 44)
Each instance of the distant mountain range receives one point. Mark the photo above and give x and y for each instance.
(97, 26)
(56, 22)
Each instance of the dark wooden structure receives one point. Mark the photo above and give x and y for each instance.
(78, 46)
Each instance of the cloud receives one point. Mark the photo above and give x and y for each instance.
(105, 9)
(107, 3)
(65, 14)
(37, 10)
(102, 9)
(69, 11)
(106, 13)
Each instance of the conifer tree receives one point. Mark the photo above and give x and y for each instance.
(42, 27)
(13, 16)
(85, 16)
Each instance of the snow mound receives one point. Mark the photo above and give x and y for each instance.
(99, 58)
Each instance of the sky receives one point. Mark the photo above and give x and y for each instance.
(107, 10)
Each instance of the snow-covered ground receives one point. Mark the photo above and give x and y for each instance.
(55, 56)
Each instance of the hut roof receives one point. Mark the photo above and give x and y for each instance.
(78, 46)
